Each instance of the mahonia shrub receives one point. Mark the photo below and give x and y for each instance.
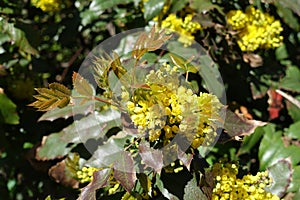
(163, 125)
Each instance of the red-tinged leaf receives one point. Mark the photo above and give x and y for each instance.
(124, 171)
(151, 157)
(186, 159)
(275, 104)
(58, 173)
(100, 180)
(82, 86)
(238, 125)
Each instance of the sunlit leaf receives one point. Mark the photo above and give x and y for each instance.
(192, 191)
(151, 157)
(82, 86)
(250, 141)
(294, 186)
(53, 147)
(100, 180)
(8, 112)
(291, 81)
(56, 96)
(272, 148)
(109, 152)
(293, 131)
(152, 8)
(124, 171)
(94, 126)
(281, 174)
(17, 37)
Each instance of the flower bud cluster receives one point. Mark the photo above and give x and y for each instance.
(249, 187)
(86, 174)
(256, 30)
(164, 109)
(185, 27)
(47, 5)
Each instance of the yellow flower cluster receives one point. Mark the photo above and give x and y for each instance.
(256, 29)
(86, 174)
(48, 5)
(250, 187)
(164, 109)
(184, 27)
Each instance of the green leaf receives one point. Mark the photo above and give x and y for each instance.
(281, 174)
(269, 146)
(17, 37)
(294, 5)
(294, 186)
(8, 113)
(211, 75)
(94, 126)
(70, 111)
(291, 81)
(152, 8)
(281, 52)
(53, 147)
(100, 180)
(151, 157)
(97, 7)
(124, 171)
(250, 141)
(178, 5)
(82, 86)
(145, 182)
(205, 5)
(287, 15)
(192, 191)
(293, 110)
(272, 149)
(293, 131)
(163, 190)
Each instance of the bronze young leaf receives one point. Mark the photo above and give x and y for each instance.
(56, 96)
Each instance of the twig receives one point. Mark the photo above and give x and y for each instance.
(290, 98)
